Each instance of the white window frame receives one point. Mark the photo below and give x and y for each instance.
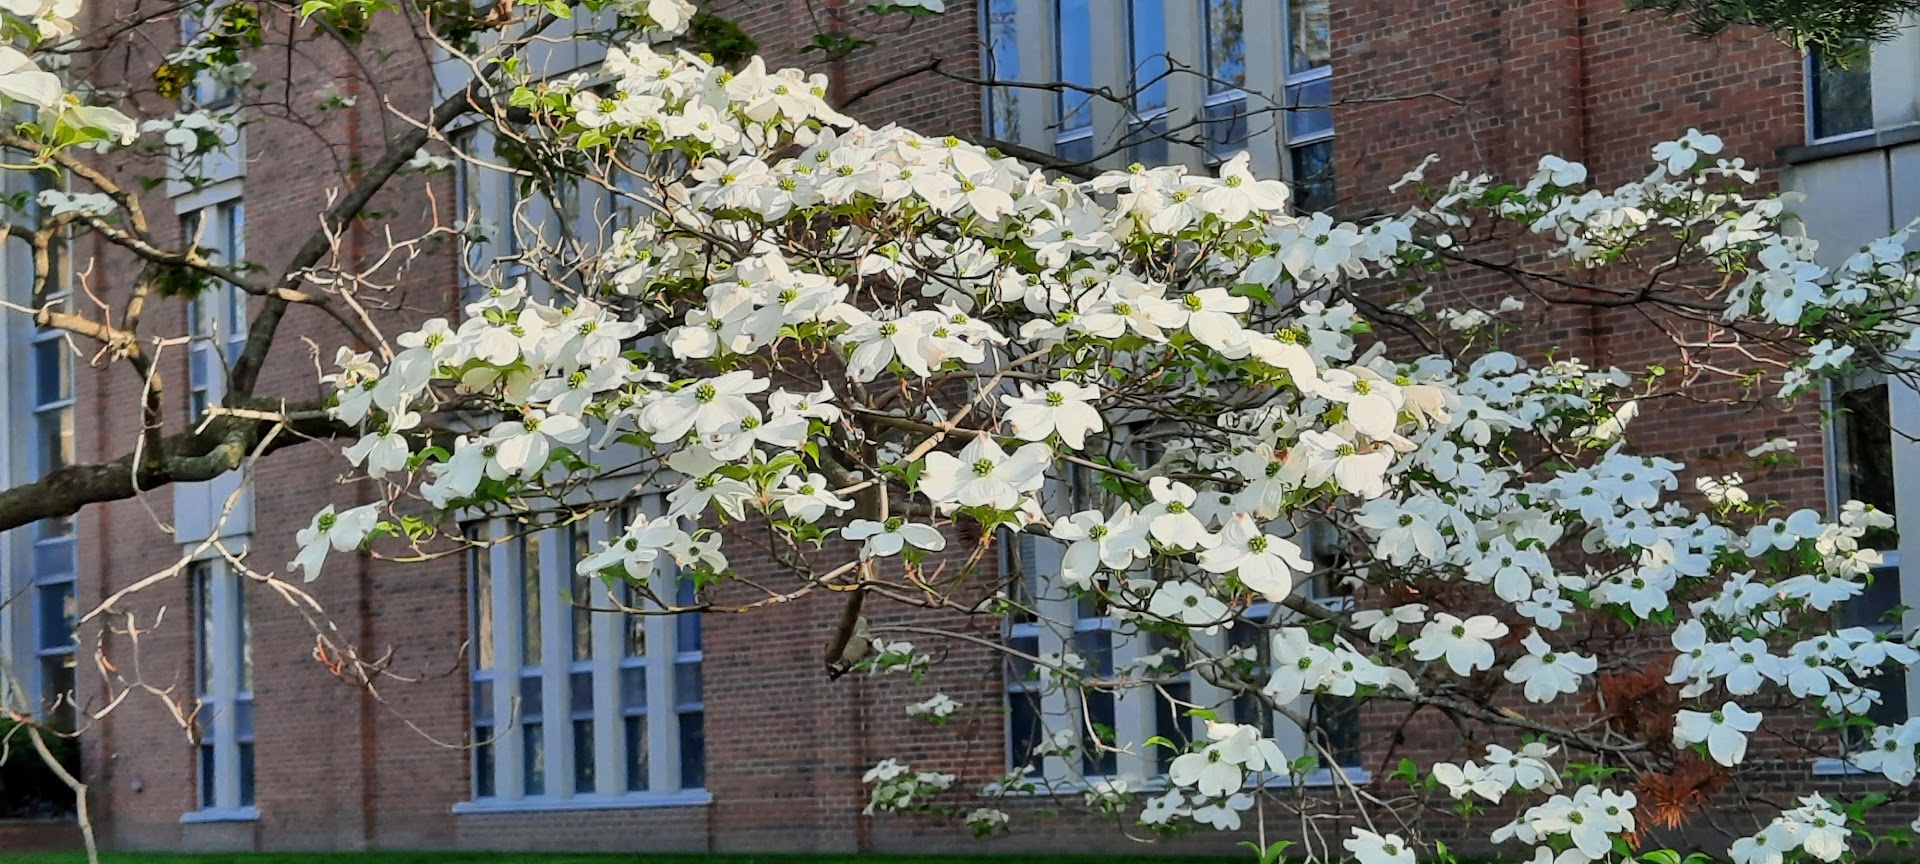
(224, 650)
(1810, 91)
(1036, 57)
(217, 319)
(552, 671)
(51, 540)
(1903, 412)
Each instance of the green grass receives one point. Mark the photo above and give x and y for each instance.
(575, 858)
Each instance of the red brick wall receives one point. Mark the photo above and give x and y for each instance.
(1489, 85)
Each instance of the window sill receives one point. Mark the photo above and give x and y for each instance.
(634, 801)
(1317, 778)
(1827, 766)
(1833, 148)
(220, 814)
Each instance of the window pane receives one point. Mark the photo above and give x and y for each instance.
(583, 757)
(583, 595)
(633, 688)
(480, 572)
(55, 439)
(693, 750)
(1310, 32)
(199, 574)
(530, 600)
(531, 697)
(54, 558)
(1095, 760)
(206, 776)
(56, 689)
(52, 371)
(1841, 92)
(687, 624)
(1170, 720)
(1308, 114)
(483, 762)
(1226, 127)
(1096, 647)
(1001, 61)
(1313, 180)
(1147, 25)
(580, 692)
(533, 759)
(246, 774)
(244, 633)
(1147, 142)
(1336, 722)
(636, 733)
(687, 690)
(1226, 45)
(243, 720)
(1869, 608)
(1024, 731)
(483, 702)
(1073, 44)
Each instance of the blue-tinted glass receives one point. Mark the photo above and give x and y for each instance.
(693, 750)
(531, 697)
(633, 688)
(1024, 730)
(1147, 144)
(483, 702)
(1073, 44)
(1308, 114)
(1310, 32)
(54, 559)
(206, 775)
(1096, 760)
(1313, 176)
(1841, 92)
(688, 623)
(580, 692)
(636, 754)
(246, 774)
(52, 371)
(243, 720)
(55, 605)
(583, 757)
(686, 684)
(533, 759)
(1096, 647)
(1148, 34)
(1226, 127)
(1226, 45)
(1001, 61)
(55, 429)
(483, 762)
(1170, 720)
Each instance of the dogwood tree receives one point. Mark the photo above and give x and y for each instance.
(892, 364)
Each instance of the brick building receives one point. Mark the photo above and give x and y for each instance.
(593, 732)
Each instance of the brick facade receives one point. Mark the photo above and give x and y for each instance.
(1487, 84)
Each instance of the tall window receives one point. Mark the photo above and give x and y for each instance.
(50, 359)
(1149, 67)
(1225, 25)
(1862, 443)
(217, 316)
(1309, 123)
(223, 649)
(197, 20)
(602, 706)
(1000, 62)
(1839, 93)
(1073, 65)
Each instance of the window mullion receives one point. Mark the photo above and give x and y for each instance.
(504, 562)
(556, 646)
(1903, 412)
(226, 674)
(1133, 709)
(1265, 24)
(609, 755)
(1033, 42)
(663, 722)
